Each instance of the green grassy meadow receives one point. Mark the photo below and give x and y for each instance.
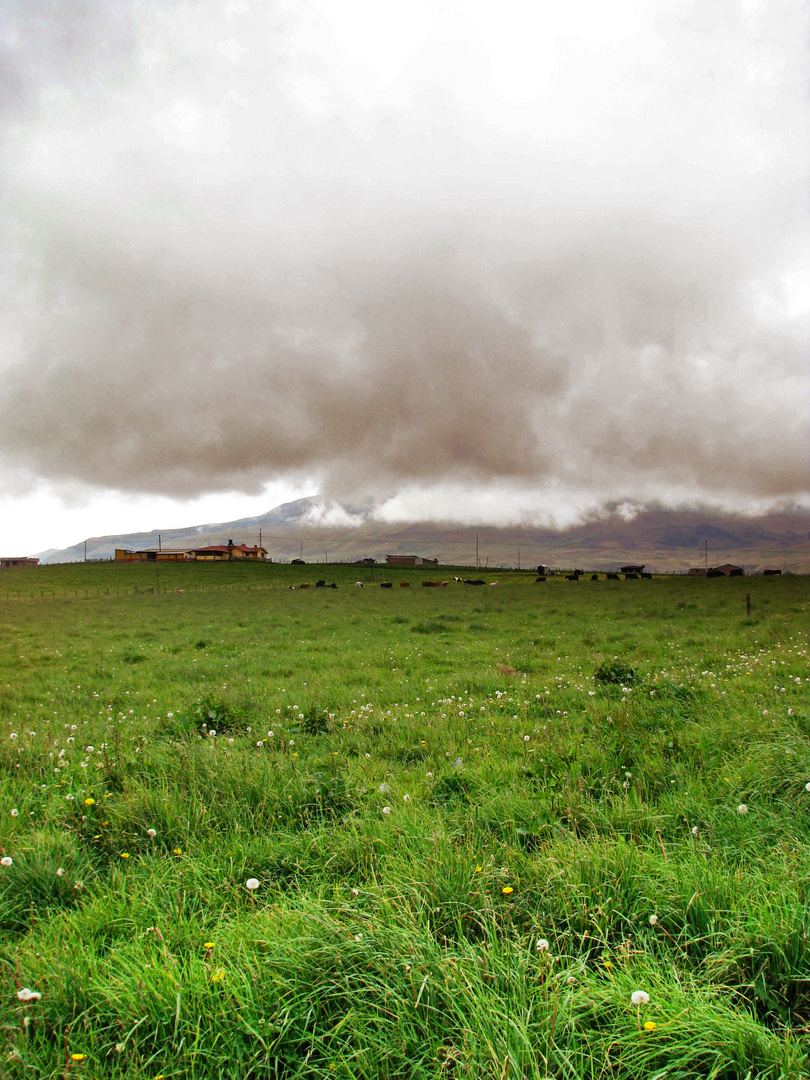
(479, 820)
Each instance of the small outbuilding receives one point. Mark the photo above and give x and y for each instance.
(410, 560)
(728, 570)
(13, 562)
(632, 569)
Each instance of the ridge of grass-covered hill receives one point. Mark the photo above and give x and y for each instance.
(529, 830)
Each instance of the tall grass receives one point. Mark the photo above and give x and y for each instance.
(480, 820)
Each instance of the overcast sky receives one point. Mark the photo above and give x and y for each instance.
(490, 262)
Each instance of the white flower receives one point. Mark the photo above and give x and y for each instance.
(406, 798)
(252, 883)
(386, 809)
(152, 833)
(542, 945)
(694, 830)
(28, 995)
(15, 813)
(355, 892)
(60, 872)
(742, 808)
(807, 786)
(653, 920)
(6, 860)
(384, 789)
(640, 997)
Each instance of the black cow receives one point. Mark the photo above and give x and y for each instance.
(631, 577)
(541, 578)
(594, 577)
(646, 577)
(474, 581)
(320, 584)
(572, 577)
(386, 585)
(613, 577)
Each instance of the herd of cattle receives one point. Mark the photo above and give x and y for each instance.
(575, 576)
(389, 584)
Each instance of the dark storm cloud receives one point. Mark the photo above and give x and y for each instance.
(230, 257)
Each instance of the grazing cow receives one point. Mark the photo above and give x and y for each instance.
(572, 577)
(594, 577)
(646, 577)
(304, 586)
(333, 586)
(291, 587)
(541, 578)
(359, 585)
(386, 585)
(461, 580)
(433, 584)
(631, 577)
(405, 584)
(493, 582)
(320, 584)
(474, 581)
(613, 577)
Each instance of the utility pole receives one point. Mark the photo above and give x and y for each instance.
(706, 555)
(85, 551)
(301, 553)
(518, 558)
(260, 536)
(160, 542)
(477, 564)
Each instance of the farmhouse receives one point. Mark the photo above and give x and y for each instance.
(697, 571)
(229, 551)
(632, 569)
(10, 562)
(728, 570)
(410, 560)
(213, 553)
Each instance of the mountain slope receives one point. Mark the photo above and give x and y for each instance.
(666, 540)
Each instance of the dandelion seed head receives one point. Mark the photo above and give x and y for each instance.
(640, 997)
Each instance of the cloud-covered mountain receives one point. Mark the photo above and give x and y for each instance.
(322, 530)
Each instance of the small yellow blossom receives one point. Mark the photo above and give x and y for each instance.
(649, 1025)
(89, 801)
(78, 1057)
(608, 964)
(177, 851)
(478, 869)
(124, 854)
(218, 975)
(209, 944)
(507, 890)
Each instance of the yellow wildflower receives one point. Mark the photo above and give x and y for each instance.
(78, 1057)
(507, 890)
(218, 975)
(177, 851)
(124, 854)
(649, 1025)
(89, 801)
(209, 944)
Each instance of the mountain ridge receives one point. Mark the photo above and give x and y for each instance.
(321, 530)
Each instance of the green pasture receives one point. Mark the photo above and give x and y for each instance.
(479, 820)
